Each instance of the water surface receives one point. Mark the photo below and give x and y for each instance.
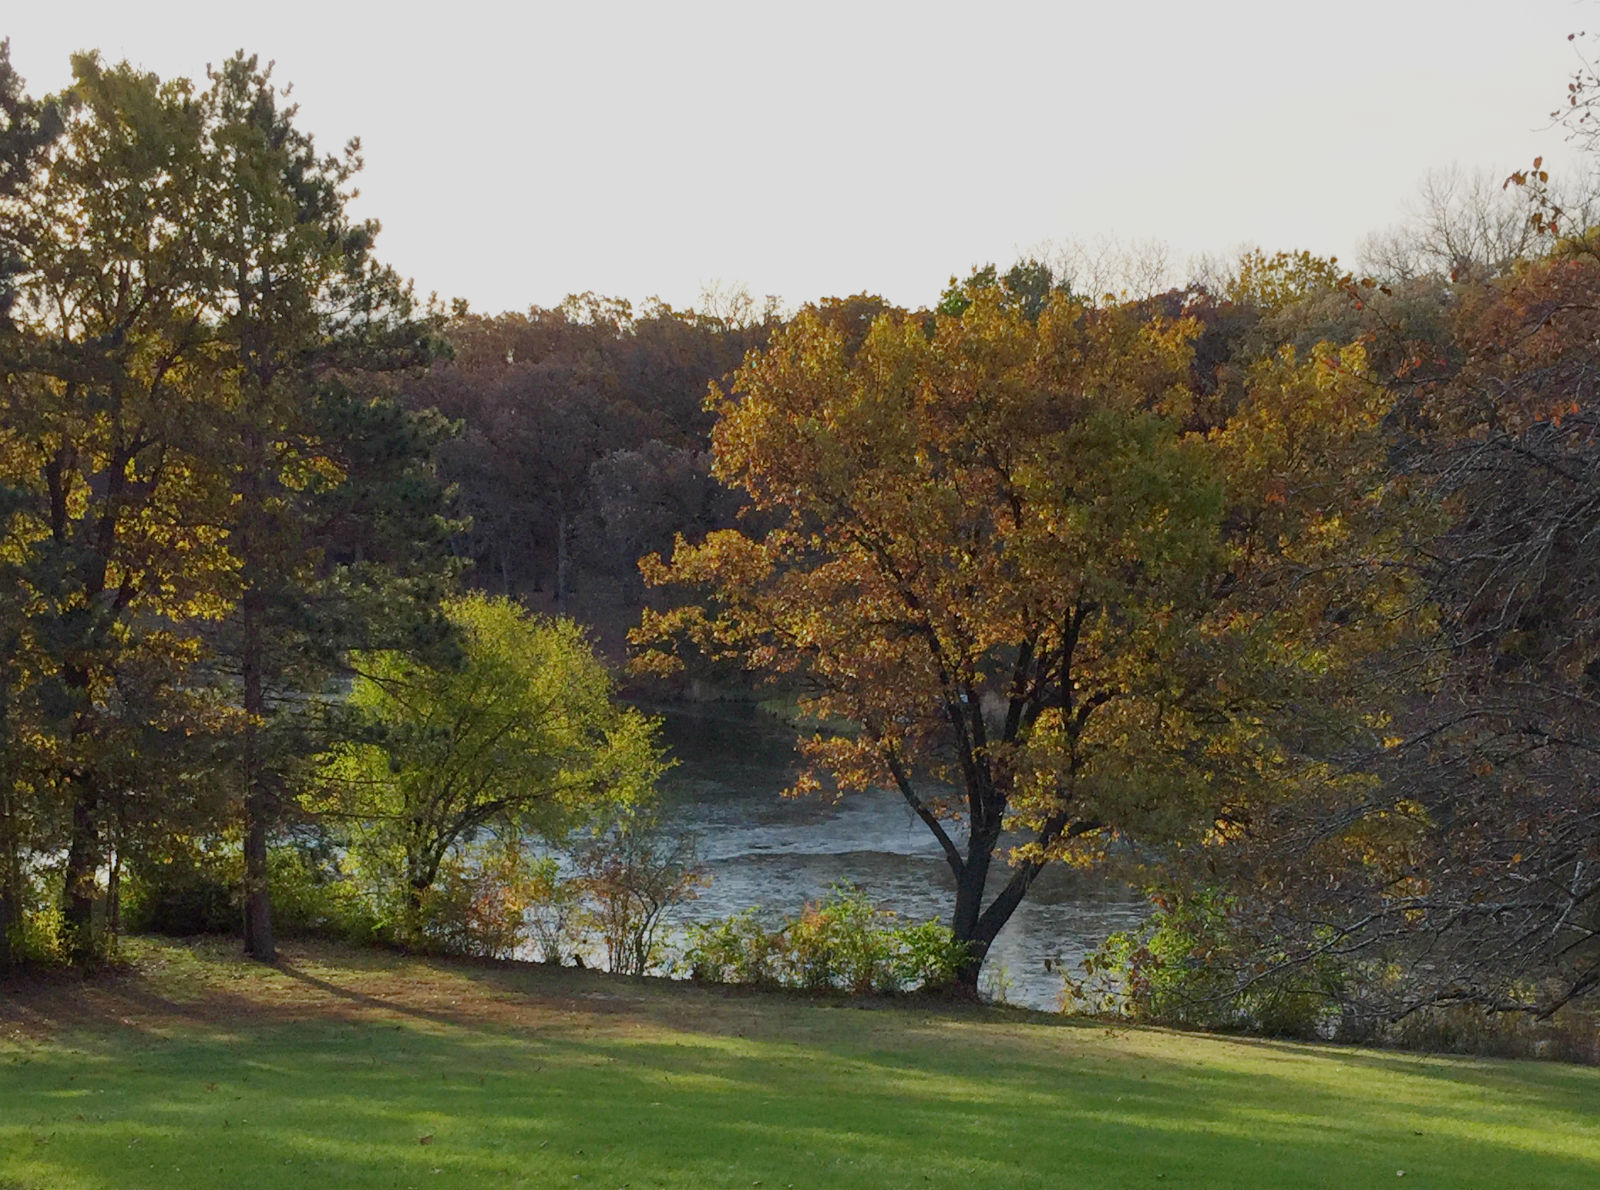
(762, 849)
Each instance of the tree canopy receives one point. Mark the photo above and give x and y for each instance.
(1043, 606)
(523, 738)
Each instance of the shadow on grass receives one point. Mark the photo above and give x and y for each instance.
(336, 1067)
(350, 1103)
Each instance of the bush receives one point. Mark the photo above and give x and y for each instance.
(736, 949)
(191, 887)
(555, 915)
(312, 897)
(1188, 966)
(631, 876)
(928, 955)
(844, 942)
(38, 935)
(478, 903)
(1568, 1035)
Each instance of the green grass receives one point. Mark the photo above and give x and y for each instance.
(200, 1070)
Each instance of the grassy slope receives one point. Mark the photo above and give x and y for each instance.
(201, 1070)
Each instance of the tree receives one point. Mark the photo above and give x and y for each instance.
(113, 406)
(204, 475)
(633, 874)
(1469, 226)
(999, 557)
(523, 738)
(26, 130)
(550, 398)
(335, 521)
(1485, 883)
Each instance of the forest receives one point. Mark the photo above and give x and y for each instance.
(1274, 591)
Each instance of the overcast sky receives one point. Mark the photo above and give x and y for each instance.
(519, 152)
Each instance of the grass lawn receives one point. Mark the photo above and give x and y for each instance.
(349, 1068)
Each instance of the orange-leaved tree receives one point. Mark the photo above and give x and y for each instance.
(1009, 554)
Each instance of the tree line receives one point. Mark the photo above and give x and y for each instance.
(1275, 590)
(223, 523)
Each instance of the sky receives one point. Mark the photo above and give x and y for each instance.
(516, 153)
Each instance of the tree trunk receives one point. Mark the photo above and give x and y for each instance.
(975, 925)
(996, 916)
(561, 562)
(10, 861)
(416, 889)
(8, 917)
(258, 940)
(114, 895)
(80, 887)
(968, 912)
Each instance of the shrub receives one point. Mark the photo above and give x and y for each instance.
(928, 955)
(478, 903)
(1188, 966)
(38, 936)
(843, 942)
(631, 876)
(555, 915)
(313, 898)
(192, 886)
(737, 949)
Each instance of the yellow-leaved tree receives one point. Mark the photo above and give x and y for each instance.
(1055, 606)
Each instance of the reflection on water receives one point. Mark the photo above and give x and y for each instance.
(778, 853)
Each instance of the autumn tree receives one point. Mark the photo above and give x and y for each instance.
(114, 404)
(1052, 616)
(203, 481)
(27, 127)
(1476, 858)
(563, 411)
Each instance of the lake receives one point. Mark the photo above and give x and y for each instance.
(762, 849)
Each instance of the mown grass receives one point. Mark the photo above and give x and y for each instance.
(347, 1068)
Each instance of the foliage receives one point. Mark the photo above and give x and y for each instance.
(844, 942)
(1026, 286)
(555, 915)
(1464, 873)
(631, 875)
(1187, 965)
(203, 501)
(524, 737)
(839, 943)
(737, 949)
(195, 886)
(335, 521)
(999, 551)
(313, 897)
(27, 127)
(109, 400)
(582, 440)
(478, 903)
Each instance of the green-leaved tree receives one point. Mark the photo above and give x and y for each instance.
(524, 738)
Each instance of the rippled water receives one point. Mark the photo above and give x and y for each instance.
(778, 853)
